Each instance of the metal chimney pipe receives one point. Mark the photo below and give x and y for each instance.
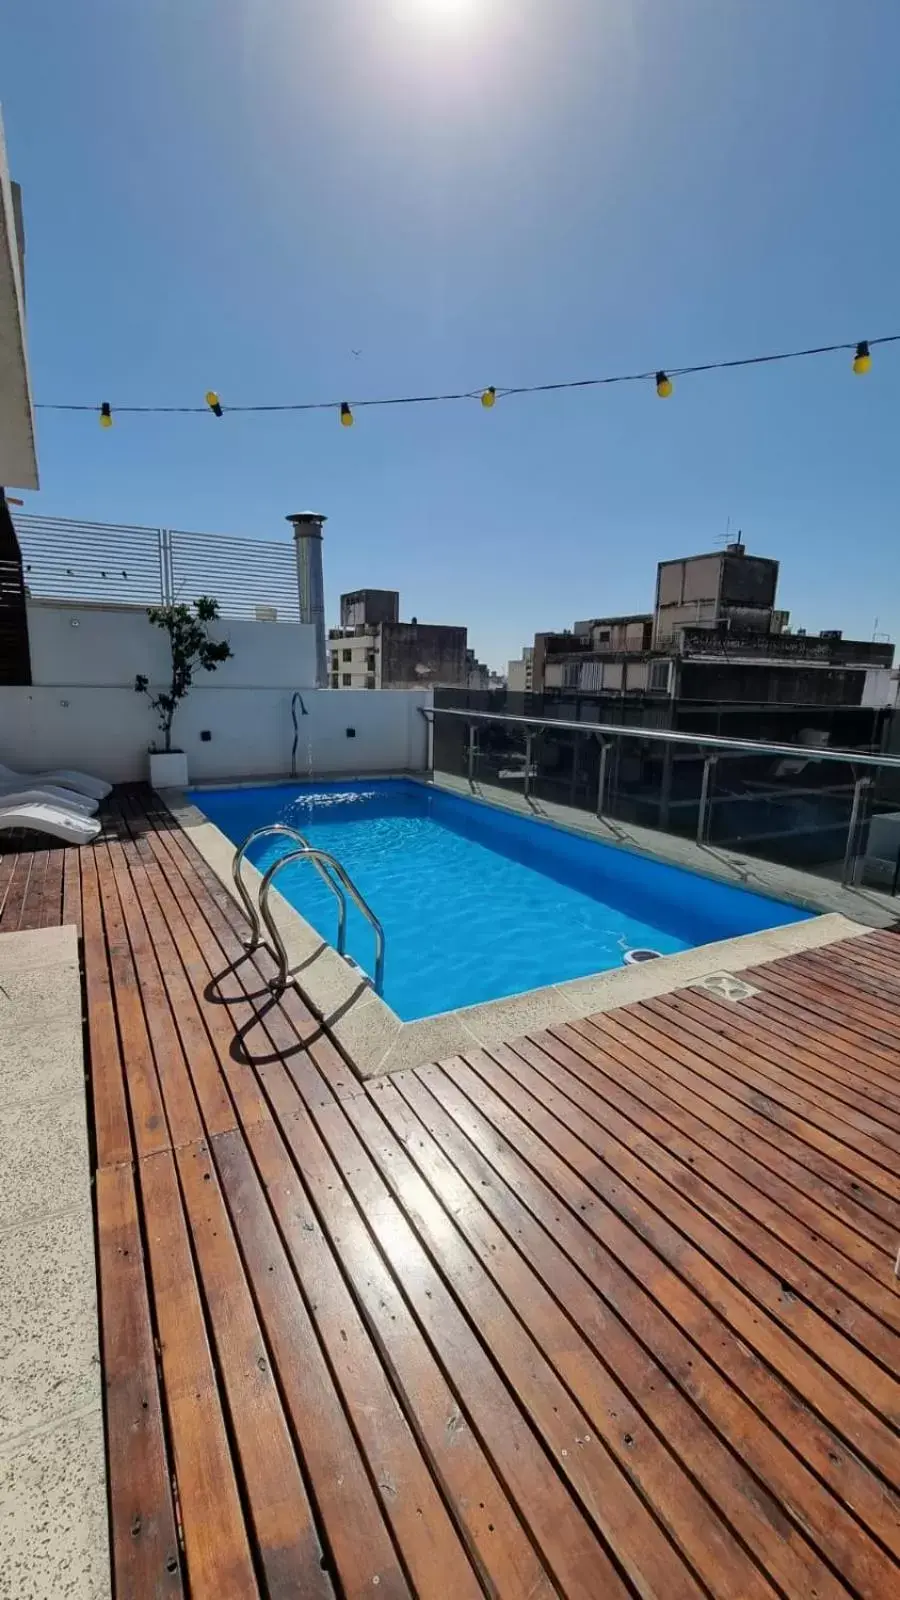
(307, 526)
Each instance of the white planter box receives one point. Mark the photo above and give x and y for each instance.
(168, 769)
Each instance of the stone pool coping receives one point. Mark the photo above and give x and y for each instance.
(376, 1041)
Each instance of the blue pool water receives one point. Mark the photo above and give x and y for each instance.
(477, 903)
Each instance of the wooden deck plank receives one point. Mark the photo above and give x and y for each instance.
(51, 900)
(192, 1083)
(318, 1067)
(804, 1058)
(357, 1487)
(217, 1548)
(572, 1331)
(145, 1099)
(811, 1051)
(8, 861)
(660, 1061)
(108, 1099)
(658, 1023)
(181, 1107)
(635, 1330)
(144, 1540)
(816, 998)
(552, 1153)
(766, 1309)
(868, 1144)
(808, 1230)
(286, 1539)
(508, 1551)
(498, 1413)
(31, 908)
(866, 1001)
(225, 1027)
(71, 901)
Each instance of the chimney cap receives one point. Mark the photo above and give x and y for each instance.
(306, 516)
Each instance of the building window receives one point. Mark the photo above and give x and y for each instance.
(348, 655)
(347, 678)
(335, 681)
(659, 677)
(370, 681)
(603, 635)
(370, 661)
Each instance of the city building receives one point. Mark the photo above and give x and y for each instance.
(520, 673)
(373, 649)
(480, 676)
(715, 635)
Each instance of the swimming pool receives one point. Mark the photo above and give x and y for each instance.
(479, 904)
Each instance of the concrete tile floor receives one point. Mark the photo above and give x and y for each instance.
(53, 1520)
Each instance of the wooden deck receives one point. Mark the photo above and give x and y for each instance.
(611, 1312)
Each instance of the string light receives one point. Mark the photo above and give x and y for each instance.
(106, 420)
(862, 362)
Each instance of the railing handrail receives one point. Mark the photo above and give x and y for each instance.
(705, 741)
(322, 860)
(246, 898)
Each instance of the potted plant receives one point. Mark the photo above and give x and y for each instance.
(191, 649)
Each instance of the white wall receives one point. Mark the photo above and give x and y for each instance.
(102, 644)
(882, 687)
(107, 730)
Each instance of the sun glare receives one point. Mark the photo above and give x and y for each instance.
(438, 11)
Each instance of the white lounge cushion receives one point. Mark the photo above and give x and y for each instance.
(72, 826)
(15, 795)
(81, 782)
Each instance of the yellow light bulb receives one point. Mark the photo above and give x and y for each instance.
(663, 385)
(862, 361)
(212, 400)
(106, 420)
(346, 415)
(488, 398)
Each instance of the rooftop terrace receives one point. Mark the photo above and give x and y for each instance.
(608, 1311)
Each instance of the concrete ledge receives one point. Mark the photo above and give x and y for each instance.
(375, 1040)
(53, 1516)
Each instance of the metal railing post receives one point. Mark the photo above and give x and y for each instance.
(705, 800)
(601, 781)
(529, 741)
(851, 852)
(472, 751)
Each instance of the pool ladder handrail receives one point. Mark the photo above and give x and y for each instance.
(325, 865)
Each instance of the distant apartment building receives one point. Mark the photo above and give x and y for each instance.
(715, 634)
(373, 649)
(520, 673)
(480, 676)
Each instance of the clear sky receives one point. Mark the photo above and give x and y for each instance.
(238, 194)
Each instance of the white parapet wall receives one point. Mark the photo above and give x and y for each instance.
(251, 732)
(82, 710)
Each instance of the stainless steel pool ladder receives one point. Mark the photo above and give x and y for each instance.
(329, 870)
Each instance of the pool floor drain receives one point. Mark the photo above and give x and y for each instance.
(724, 986)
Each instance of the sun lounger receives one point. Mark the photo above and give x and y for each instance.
(65, 777)
(42, 817)
(47, 794)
